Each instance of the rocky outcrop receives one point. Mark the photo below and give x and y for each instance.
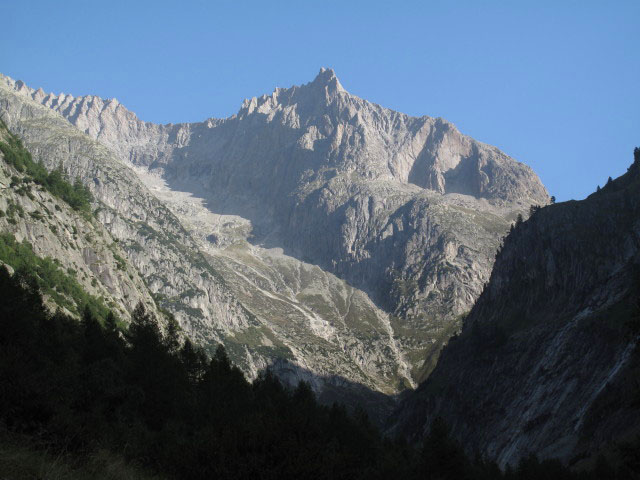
(81, 246)
(548, 359)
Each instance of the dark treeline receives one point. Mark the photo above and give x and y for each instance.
(163, 404)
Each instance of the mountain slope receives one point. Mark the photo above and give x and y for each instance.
(405, 209)
(349, 341)
(79, 246)
(548, 359)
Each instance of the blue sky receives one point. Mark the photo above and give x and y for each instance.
(554, 84)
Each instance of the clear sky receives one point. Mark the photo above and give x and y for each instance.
(555, 84)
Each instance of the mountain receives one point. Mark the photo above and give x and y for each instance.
(358, 355)
(548, 360)
(313, 226)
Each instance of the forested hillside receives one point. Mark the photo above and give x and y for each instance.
(78, 389)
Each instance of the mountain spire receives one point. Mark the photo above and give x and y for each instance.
(327, 78)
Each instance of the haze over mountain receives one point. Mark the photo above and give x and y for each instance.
(312, 226)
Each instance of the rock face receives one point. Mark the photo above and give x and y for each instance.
(349, 237)
(260, 314)
(548, 359)
(81, 246)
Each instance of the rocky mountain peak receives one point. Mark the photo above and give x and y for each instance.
(318, 93)
(327, 78)
(405, 209)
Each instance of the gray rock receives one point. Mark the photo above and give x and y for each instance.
(406, 213)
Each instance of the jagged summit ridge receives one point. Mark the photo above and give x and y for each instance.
(327, 78)
(430, 153)
(60, 101)
(321, 91)
(427, 152)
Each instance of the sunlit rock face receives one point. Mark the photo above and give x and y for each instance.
(345, 237)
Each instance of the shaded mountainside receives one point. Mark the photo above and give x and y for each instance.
(548, 359)
(406, 210)
(85, 400)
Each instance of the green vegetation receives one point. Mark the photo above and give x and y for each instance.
(14, 209)
(22, 458)
(121, 263)
(52, 280)
(402, 287)
(77, 195)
